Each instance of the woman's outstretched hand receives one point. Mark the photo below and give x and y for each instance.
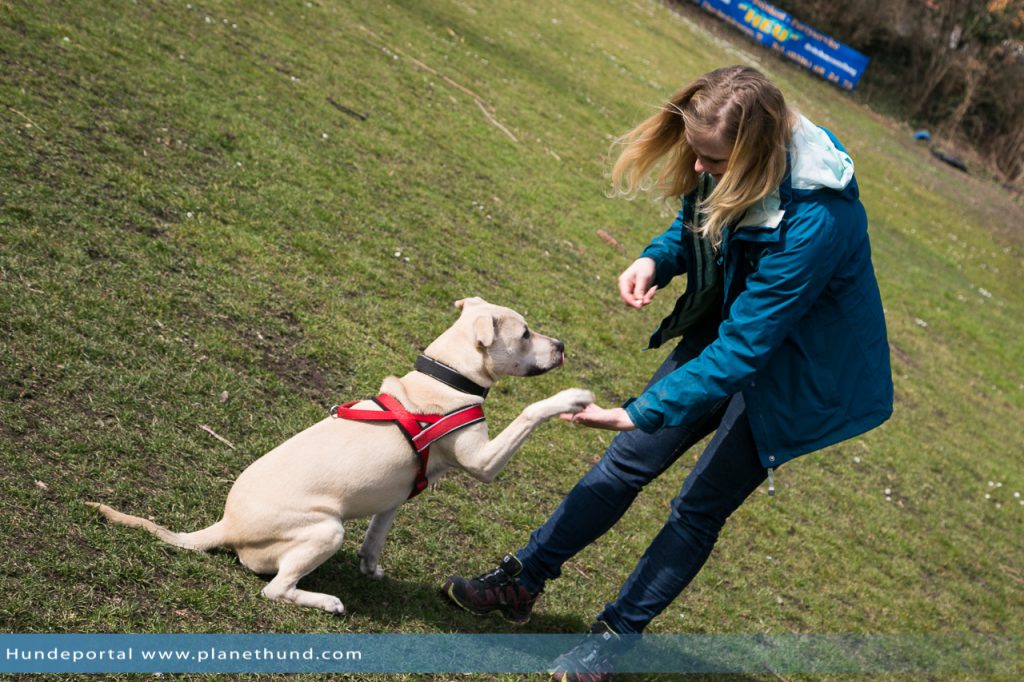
(613, 419)
(636, 283)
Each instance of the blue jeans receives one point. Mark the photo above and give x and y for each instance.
(725, 475)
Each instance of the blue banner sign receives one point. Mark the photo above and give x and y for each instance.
(798, 41)
(500, 653)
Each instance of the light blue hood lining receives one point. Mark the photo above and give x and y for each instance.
(815, 163)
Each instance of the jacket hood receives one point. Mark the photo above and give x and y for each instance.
(816, 162)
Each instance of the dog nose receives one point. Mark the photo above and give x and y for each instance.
(559, 346)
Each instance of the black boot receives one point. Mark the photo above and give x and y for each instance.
(496, 590)
(592, 659)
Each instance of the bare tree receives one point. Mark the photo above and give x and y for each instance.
(956, 65)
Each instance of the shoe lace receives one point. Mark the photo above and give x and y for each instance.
(502, 574)
(495, 576)
(592, 657)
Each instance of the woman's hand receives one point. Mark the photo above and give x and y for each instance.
(614, 419)
(636, 283)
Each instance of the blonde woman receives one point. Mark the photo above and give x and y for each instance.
(783, 349)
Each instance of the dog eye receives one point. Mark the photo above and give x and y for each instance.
(526, 334)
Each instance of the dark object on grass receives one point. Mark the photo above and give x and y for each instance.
(953, 161)
(346, 110)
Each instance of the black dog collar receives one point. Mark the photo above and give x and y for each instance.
(448, 376)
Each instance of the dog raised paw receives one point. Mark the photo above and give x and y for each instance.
(571, 400)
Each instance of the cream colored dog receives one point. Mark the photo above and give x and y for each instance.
(284, 514)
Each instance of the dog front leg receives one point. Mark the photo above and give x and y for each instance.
(373, 543)
(484, 461)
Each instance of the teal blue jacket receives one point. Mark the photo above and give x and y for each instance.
(802, 334)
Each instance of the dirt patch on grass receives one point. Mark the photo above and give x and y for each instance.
(279, 353)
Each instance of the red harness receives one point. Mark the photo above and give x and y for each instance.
(411, 425)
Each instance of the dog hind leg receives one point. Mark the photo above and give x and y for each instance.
(319, 543)
(373, 542)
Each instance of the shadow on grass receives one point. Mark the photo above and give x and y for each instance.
(398, 600)
(424, 608)
(422, 605)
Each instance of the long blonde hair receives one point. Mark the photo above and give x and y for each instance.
(735, 104)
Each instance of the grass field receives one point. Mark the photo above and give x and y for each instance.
(234, 215)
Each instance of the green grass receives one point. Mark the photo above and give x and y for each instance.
(184, 212)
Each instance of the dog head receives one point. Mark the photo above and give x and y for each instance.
(505, 343)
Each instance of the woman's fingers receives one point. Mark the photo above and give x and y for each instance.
(636, 283)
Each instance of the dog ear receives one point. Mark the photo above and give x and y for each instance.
(483, 328)
(463, 302)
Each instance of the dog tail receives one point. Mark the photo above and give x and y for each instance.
(201, 540)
